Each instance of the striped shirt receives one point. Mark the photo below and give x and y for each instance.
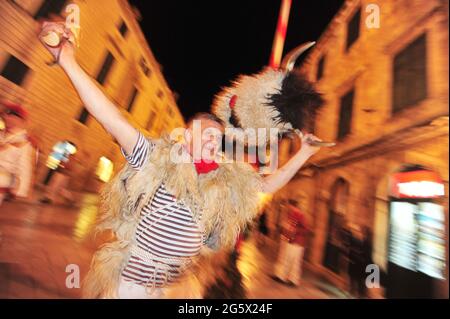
(168, 232)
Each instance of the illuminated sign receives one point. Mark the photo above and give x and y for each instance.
(421, 189)
(417, 184)
(417, 237)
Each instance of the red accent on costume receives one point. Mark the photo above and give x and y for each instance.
(203, 167)
(233, 101)
(239, 241)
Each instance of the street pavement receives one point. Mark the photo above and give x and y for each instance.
(42, 246)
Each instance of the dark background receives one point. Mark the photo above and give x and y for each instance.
(202, 45)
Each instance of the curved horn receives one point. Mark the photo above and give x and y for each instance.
(289, 60)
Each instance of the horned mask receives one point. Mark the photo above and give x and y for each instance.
(273, 98)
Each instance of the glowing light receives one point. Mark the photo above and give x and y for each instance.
(52, 162)
(61, 152)
(86, 217)
(71, 148)
(421, 189)
(104, 169)
(417, 184)
(264, 198)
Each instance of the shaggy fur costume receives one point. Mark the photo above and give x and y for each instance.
(274, 98)
(226, 198)
(269, 99)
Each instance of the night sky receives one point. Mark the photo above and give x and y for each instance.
(203, 44)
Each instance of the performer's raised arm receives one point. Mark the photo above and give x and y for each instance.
(95, 101)
(282, 176)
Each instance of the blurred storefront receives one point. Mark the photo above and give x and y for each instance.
(416, 245)
(113, 50)
(386, 93)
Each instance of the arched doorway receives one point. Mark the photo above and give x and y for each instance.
(336, 236)
(416, 236)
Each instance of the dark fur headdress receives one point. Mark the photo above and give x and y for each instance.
(274, 98)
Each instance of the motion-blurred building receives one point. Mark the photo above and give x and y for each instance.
(114, 52)
(385, 82)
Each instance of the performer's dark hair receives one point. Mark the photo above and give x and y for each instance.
(204, 116)
(297, 101)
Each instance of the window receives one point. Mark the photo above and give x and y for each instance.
(144, 67)
(15, 70)
(50, 7)
(84, 115)
(320, 66)
(116, 47)
(123, 29)
(345, 114)
(132, 99)
(170, 111)
(107, 63)
(150, 120)
(160, 94)
(410, 80)
(353, 28)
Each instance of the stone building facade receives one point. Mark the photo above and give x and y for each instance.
(112, 50)
(385, 82)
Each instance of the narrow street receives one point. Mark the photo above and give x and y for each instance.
(38, 242)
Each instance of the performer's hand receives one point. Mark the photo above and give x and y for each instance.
(64, 53)
(307, 148)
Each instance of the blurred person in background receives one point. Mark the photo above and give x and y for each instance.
(57, 191)
(356, 267)
(366, 251)
(16, 153)
(263, 230)
(279, 208)
(345, 238)
(288, 268)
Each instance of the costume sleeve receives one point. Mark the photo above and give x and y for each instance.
(140, 152)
